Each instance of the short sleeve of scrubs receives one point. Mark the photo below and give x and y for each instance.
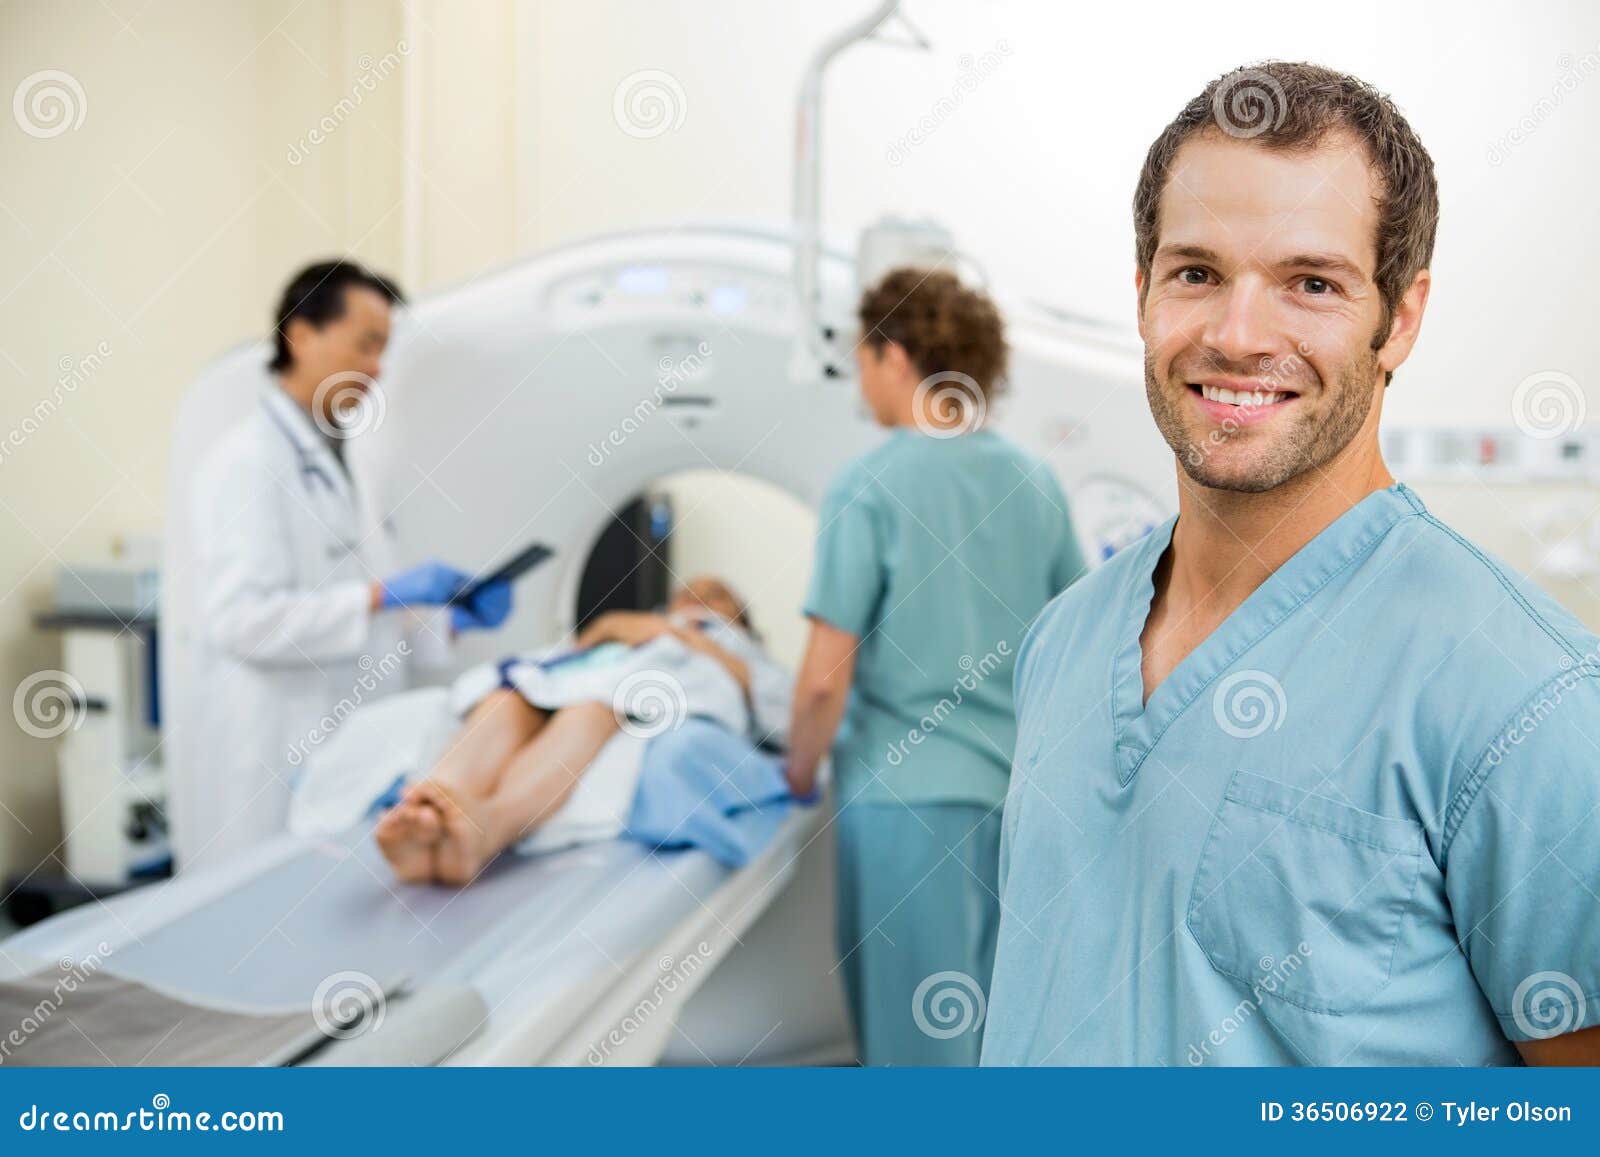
(1523, 865)
(847, 577)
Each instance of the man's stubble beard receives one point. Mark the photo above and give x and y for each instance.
(1309, 441)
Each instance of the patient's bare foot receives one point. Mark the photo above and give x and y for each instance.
(420, 812)
(466, 845)
(408, 835)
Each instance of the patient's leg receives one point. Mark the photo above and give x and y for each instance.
(536, 782)
(494, 731)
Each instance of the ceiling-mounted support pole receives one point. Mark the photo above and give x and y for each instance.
(812, 349)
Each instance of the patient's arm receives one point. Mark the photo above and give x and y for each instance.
(630, 628)
(732, 664)
(820, 693)
(633, 628)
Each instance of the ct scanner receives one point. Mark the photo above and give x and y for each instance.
(533, 403)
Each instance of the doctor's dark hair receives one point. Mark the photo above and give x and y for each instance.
(944, 327)
(316, 295)
(1290, 107)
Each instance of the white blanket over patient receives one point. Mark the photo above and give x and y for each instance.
(652, 687)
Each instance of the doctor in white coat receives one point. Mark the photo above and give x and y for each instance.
(301, 618)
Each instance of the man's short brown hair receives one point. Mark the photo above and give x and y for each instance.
(944, 327)
(1290, 106)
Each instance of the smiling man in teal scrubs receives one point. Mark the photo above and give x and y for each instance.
(1304, 777)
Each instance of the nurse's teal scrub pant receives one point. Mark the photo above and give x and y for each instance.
(918, 915)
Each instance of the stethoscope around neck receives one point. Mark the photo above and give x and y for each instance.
(310, 468)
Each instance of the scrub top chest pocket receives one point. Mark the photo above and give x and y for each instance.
(1283, 872)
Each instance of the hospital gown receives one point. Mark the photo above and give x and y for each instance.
(1359, 824)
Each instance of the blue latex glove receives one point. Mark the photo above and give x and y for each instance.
(487, 609)
(428, 585)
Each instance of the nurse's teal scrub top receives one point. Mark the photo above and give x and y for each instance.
(937, 553)
(1360, 824)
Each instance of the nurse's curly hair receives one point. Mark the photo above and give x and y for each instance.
(944, 327)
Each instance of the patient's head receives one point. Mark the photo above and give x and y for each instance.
(708, 593)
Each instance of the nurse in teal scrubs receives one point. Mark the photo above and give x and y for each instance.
(934, 553)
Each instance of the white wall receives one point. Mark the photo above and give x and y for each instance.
(164, 225)
(1035, 170)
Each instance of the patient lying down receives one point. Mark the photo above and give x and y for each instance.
(512, 765)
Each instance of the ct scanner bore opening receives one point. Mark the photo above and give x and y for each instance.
(750, 533)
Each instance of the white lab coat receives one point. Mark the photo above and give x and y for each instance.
(285, 644)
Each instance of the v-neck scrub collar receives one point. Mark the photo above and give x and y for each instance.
(1137, 726)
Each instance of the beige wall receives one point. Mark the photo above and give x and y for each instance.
(139, 244)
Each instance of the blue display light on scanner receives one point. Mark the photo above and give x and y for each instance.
(729, 298)
(642, 279)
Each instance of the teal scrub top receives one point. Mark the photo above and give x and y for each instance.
(937, 553)
(1359, 824)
